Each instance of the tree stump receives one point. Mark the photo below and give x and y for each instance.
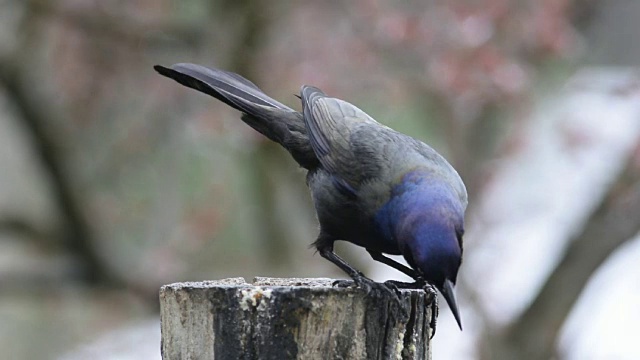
(290, 319)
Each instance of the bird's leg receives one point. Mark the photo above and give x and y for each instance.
(325, 248)
(326, 251)
(324, 245)
(377, 256)
(419, 281)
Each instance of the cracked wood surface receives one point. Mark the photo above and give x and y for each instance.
(290, 319)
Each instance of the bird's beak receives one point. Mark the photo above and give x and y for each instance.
(449, 295)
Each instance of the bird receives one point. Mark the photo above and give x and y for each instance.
(371, 185)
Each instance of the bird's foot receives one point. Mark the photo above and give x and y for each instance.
(431, 291)
(369, 286)
(391, 292)
(385, 290)
(343, 283)
(418, 284)
(432, 298)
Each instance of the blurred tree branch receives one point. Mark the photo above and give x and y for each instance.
(35, 114)
(36, 111)
(533, 335)
(16, 224)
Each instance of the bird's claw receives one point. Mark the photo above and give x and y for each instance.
(432, 298)
(400, 284)
(431, 291)
(391, 292)
(370, 287)
(342, 283)
(418, 284)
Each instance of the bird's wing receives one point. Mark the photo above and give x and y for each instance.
(331, 126)
(361, 153)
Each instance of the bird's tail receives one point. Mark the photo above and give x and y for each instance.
(271, 118)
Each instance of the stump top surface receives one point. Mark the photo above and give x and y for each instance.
(258, 281)
(291, 318)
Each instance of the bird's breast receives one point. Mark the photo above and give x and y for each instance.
(345, 217)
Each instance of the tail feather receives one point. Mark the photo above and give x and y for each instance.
(271, 118)
(225, 86)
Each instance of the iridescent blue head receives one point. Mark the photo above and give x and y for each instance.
(425, 216)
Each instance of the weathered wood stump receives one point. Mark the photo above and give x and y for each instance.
(290, 319)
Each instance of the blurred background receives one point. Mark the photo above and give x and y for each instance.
(115, 180)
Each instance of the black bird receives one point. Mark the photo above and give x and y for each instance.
(371, 186)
